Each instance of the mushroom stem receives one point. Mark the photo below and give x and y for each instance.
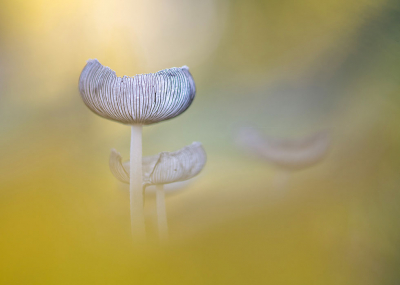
(161, 213)
(136, 188)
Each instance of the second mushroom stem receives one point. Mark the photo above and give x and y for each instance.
(136, 188)
(161, 213)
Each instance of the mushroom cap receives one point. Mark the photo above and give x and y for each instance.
(165, 167)
(141, 99)
(291, 154)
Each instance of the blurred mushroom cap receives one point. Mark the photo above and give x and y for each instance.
(141, 99)
(165, 167)
(291, 154)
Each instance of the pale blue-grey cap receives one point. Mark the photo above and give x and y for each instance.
(165, 167)
(290, 154)
(141, 99)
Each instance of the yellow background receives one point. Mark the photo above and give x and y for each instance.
(288, 67)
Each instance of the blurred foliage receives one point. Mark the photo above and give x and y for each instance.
(288, 67)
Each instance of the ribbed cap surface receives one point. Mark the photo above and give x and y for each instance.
(165, 167)
(142, 99)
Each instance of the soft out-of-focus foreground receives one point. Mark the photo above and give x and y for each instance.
(287, 68)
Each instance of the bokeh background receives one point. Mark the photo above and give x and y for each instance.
(289, 68)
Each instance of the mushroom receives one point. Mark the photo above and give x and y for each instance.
(287, 155)
(160, 169)
(136, 101)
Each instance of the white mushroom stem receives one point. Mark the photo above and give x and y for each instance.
(161, 213)
(136, 187)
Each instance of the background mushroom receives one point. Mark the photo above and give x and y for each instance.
(136, 101)
(160, 169)
(287, 155)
